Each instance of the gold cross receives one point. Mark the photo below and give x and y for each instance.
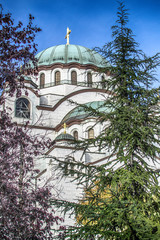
(64, 126)
(67, 35)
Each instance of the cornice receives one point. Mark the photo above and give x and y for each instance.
(31, 82)
(71, 122)
(101, 160)
(32, 90)
(37, 127)
(67, 65)
(57, 146)
(58, 127)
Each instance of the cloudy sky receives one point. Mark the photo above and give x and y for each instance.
(90, 21)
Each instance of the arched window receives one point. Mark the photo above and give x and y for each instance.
(90, 133)
(57, 78)
(22, 108)
(74, 78)
(75, 135)
(89, 79)
(42, 80)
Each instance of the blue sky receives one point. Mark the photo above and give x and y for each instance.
(89, 21)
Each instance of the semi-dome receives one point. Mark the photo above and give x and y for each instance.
(70, 54)
(81, 113)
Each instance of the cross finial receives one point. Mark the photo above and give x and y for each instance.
(67, 35)
(65, 126)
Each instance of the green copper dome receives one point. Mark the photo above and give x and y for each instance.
(64, 136)
(80, 112)
(70, 54)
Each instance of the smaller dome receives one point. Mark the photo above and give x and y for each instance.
(64, 136)
(81, 113)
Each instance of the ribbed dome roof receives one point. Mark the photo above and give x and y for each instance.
(80, 112)
(64, 136)
(69, 54)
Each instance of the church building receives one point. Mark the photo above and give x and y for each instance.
(68, 76)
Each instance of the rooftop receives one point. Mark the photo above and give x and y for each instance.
(68, 54)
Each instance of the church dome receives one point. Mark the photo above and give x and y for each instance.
(64, 136)
(70, 54)
(81, 113)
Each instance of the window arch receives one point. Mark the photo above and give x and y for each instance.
(90, 133)
(75, 135)
(74, 78)
(22, 108)
(42, 80)
(89, 79)
(57, 77)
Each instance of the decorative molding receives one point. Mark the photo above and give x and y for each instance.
(72, 122)
(31, 82)
(101, 160)
(64, 147)
(37, 127)
(68, 65)
(33, 91)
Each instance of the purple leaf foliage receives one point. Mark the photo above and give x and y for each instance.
(25, 211)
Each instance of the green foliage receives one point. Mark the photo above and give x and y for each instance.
(121, 197)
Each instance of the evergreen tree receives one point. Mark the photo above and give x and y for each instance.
(121, 197)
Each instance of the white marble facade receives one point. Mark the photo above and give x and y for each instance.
(48, 106)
